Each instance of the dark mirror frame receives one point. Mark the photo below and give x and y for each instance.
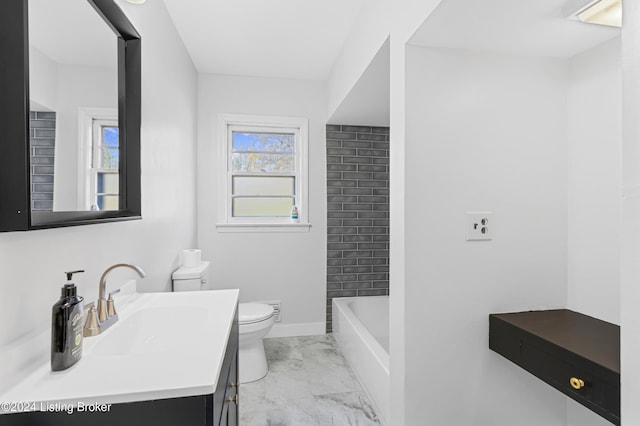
(15, 176)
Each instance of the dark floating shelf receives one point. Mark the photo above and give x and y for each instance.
(577, 354)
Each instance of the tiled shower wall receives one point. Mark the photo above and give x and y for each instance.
(42, 148)
(357, 212)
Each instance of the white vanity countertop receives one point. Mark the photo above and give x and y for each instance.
(182, 356)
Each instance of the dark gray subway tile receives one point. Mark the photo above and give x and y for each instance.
(342, 262)
(357, 160)
(342, 167)
(357, 175)
(357, 191)
(42, 179)
(341, 293)
(372, 292)
(341, 136)
(357, 207)
(372, 137)
(342, 277)
(373, 215)
(381, 145)
(357, 254)
(357, 285)
(334, 254)
(357, 239)
(380, 130)
(344, 246)
(372, 153)
(342, 199)
(356, 129)
(381, 284)
(358, 269)
(356, 144)
(343, 230)
(373, 261)
(341, 151)
(357, 222)
(380, 191)
(372, 168)
(373, 199)
(380, 160)
(342, 214)
(358, 212)
(372, 246)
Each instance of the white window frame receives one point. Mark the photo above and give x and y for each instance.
(87, 117)
(298, 126)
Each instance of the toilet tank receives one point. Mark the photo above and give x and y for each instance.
(191, 279)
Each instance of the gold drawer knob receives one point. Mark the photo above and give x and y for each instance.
(576, 383)
(234, 399)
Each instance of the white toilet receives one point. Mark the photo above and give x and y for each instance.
(254, 322)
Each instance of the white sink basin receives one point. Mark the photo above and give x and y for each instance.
(165, 345)
(152, 330)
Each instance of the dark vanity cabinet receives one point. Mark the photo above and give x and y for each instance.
(217, 409)
(576, 354)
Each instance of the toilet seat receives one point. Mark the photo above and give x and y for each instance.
(251, 313)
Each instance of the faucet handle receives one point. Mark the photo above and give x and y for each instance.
(111, 307)
(91, 326)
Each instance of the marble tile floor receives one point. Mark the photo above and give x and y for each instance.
(309, 383)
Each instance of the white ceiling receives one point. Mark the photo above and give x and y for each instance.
(71, 32)
(522, 27)
(298, 39)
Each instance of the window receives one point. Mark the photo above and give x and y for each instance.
(98, 159)
(264, 173)
(104, 168)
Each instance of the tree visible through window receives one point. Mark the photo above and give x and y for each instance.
(265, 168)
(263, 174)
(105, 164)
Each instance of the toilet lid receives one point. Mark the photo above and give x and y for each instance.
(254, 312)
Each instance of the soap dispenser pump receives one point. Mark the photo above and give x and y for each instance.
(66, 327)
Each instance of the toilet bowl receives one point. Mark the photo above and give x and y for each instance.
(254, 322)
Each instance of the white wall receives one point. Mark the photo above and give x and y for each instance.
(43, 80)
(290, 267)
(32, 263)
(594, 204)
(369, 33)
(78, 87)
(483, 133)
(595, 172)
(630, 270)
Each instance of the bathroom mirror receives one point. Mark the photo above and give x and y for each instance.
(71, 151)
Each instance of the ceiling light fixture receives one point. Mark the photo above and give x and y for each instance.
(136, 1)
(603, 12)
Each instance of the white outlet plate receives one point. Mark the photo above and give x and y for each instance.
(480, 226)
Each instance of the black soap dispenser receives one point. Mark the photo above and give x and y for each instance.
(66, 327)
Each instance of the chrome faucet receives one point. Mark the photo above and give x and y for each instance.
(106, 315)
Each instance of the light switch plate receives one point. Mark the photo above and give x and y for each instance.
(480, 226)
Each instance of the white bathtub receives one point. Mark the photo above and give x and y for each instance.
(361, 328)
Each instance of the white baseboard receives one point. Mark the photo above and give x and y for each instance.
(302, 329)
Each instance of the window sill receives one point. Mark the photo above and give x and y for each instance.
(263, 227)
